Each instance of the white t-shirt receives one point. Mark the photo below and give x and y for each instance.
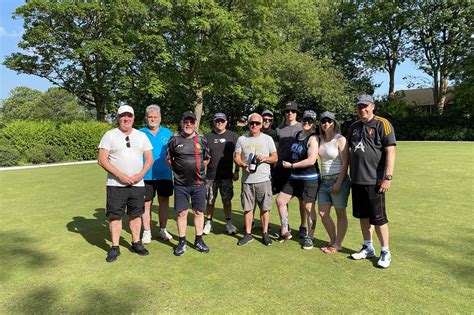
(330, 156)
(249, 146)
(128, 160)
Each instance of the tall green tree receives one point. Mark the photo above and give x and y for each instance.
(20, 104)
(90, 48)
(441, 35)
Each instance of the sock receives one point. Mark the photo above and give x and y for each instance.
(385, 249)
(182, 239)
(228, 219)
(368, 243)
(198, 237)
(163, 229)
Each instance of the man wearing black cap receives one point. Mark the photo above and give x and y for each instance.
(267, 129)
(372, 159)
(286, 133)
(188, 156)
(219, 174)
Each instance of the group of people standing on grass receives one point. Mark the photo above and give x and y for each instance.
(196, 168)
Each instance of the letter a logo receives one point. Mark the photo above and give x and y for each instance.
(361, 146)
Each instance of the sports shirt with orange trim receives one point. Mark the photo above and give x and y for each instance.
(367, 142)
(187, 159)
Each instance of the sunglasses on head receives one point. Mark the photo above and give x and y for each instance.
(254, 123)
(127, 139)
(326, 120)
(293, 111)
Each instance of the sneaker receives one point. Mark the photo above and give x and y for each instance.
(207, 228)
(286, 237)
(201, 246)
(308, 243)
(180, 249)
(365, 252)
(230, 228)
(112, 254)
(278, 233)
(165, 235)
(266, 239)
(146, 238)
(302, 233)
(245, 240)
(139, 249)
(384, 260)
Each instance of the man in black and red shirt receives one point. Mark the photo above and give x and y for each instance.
(188, 156)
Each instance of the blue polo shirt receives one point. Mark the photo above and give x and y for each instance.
(160, 169)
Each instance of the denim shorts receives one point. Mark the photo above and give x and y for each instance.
(338, 200)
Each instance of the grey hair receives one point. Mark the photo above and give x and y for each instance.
(153, 108)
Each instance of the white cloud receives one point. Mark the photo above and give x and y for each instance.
(5, 33)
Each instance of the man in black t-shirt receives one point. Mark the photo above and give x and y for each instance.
(372, 159)
(188, 156)
(220, 172)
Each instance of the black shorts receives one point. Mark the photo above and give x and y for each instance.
(307, 190)
(131, 197)
(182, 195)
(161, 187)
(367, 202)
(280, 177)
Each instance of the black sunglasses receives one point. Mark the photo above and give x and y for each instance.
(293, 111)
(128, 141)
(221, 121)
(308, 121)
(253, 123)
(267, 119)
(326, 120)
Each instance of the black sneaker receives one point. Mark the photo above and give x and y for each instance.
(245, 240)
(266, 239)
(139, 249)
(112, 254)
(201, 246)
(308, 243)
(302, 233)
(180, 249)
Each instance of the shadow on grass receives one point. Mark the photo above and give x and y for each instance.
(95, 231)
(19, 252)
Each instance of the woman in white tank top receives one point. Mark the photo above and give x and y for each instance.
(335, 184)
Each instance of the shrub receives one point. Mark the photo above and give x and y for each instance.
(9, 155)
(45, 154)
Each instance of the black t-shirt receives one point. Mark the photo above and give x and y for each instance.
(187, 159)
(367, 143)
(221, 147)
(272, 133)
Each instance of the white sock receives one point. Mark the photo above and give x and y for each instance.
(162, 229)
(385, 249)
(368, 243)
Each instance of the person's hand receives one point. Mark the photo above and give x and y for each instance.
(136, 178)
(126, 180)
(261, 158)
(286, 164)
(335, 188)
(235, 177)
(384, 186)
(246, 167)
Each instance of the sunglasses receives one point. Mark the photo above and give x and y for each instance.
(293, 111)
(267, 119)
(189, 122)
(308, 121)
(326, 120)
(219, 121)
(127, 139)
(254, 123)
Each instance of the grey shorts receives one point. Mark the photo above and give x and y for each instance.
(224, 186)
(257, 194)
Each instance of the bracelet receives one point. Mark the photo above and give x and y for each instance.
(292, 166)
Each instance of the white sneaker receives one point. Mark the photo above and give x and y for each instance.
(146, 238)
(230, 228)
(365, 252)
(207, 228)
(384, 260)
(165, 235)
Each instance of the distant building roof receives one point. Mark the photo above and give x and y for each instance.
(424, 96)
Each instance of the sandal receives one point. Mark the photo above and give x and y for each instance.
(330, 250)
(325, 247)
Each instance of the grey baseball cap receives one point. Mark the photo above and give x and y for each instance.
(329, 115)
(364, 99)
(267, 113)
(309, 114)
(219, 116)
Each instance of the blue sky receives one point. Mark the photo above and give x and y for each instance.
(10, 35)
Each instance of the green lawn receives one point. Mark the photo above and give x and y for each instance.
(54, 242)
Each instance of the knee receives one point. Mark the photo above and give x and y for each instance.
(341, 213)
(197, 213)
(182, 214)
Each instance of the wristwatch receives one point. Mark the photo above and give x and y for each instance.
(388, 177)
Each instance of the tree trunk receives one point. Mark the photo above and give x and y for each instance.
(198, 105)
(435, 87)
(442, 95)
(391, 84)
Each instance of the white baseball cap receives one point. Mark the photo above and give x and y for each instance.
(125, 109)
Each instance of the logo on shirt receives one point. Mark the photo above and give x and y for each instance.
(361, 146)
(180, 145)
(370, 131)
(221, 140)
(198, 146)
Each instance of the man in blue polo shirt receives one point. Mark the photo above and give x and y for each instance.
(158, 180)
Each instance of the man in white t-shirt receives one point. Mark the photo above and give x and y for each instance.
(121, 153)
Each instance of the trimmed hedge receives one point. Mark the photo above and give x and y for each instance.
(49, 142)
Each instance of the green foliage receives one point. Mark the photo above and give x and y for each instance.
(45, 154)
(9, 155)
(464, 89)
(47, 141)
(20, 104)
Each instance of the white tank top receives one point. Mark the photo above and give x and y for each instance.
(330, 158)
